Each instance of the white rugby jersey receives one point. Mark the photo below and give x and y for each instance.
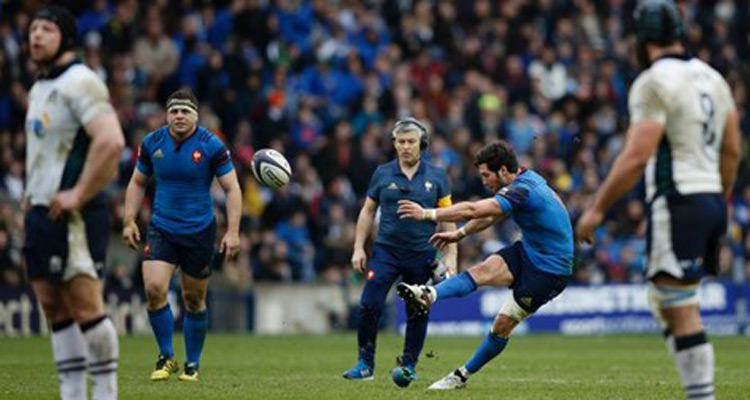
(692, 100)
(56, 143)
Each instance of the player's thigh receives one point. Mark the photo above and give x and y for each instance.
(196, 252)
(194, 292)
(51, 300)
(84, 297)
(493, 271)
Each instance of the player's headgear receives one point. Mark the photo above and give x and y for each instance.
(65, 21)
(658, 22)
(408, 124)
(183, 98)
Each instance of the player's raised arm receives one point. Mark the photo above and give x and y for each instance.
(362, 231)
(458, 212)
(730, 153)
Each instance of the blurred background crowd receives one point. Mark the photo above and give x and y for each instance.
(323, 81)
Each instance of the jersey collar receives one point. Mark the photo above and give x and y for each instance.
(397, 168)
(57, 70)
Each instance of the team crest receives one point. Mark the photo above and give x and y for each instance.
(428, 186)
(147, 249)
(370, 274)
(197, 156)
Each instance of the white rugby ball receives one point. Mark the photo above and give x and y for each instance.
(271, 168)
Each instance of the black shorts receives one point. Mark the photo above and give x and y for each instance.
(684, 235)
(76, 244)
(532, 287)
(193, 253)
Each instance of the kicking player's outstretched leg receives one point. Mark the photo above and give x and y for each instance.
(491, 272)
(195, 324)
(156, 277)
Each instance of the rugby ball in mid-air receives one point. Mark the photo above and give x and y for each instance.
(271, 168)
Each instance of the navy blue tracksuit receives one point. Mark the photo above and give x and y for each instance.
(401, 249)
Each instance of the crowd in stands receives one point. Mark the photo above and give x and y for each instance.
(323, 81)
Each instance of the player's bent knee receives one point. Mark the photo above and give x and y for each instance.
(508, 317)
(503, 326)
(194, 300)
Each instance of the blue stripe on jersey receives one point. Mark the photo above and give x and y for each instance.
(183, 172)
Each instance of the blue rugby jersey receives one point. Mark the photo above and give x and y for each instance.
(543, 219)
(183, 171)
(428, 187)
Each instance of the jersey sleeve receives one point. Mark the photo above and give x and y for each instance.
(87, 96)
(373, 191)
(144, 164)
(444, 192)
(221, 162)
(646, 102)
(512, 198)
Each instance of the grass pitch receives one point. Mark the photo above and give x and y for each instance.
(310, 367)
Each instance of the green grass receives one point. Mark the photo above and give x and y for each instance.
(310, 367)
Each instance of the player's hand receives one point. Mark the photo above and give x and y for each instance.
(587, 224)
(410, 209)
(230, 245)
(359, 260)
(131, 235)
(64, 201)
(442, 239)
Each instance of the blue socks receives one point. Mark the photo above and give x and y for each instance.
(457, 286)
(195, 326)
(491, 346)
(162, 323)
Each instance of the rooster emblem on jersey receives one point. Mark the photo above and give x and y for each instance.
(197, 156)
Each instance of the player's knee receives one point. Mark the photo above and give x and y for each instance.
(503, 326)
(54, 311)
(194, 300)
(156, 294)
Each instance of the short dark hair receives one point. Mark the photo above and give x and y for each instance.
(495, 155)
(183, 94)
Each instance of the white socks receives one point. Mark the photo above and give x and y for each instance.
(694, 358)
(69, 351)
(103, 348)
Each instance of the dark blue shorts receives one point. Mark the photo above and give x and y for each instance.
(532, 287)
(76, 244)
(684, 235)
(193, 253)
